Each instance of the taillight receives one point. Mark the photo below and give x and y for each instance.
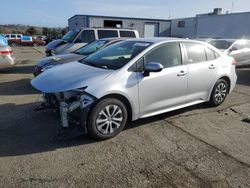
(7, 52)
(234, 62)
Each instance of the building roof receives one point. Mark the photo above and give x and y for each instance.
(117, 17)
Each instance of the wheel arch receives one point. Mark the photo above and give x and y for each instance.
(227, 79)
(224, 77)
(123, 99)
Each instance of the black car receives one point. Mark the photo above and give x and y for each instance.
(48, 62)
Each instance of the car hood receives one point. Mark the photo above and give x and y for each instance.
(52, 45)
(59, 59)
(69, 76)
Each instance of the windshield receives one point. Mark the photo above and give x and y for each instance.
(221, 44)
(92, 47)
(71, 35)
(117, 55)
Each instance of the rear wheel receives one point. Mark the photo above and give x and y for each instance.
(107, 119)
(219, 93)
(13, 44)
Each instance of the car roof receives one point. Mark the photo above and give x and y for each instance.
(156, 40)
(113, 39)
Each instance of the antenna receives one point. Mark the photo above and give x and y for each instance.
(232, 9)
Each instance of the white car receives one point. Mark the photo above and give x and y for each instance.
(6, 58)
(239, 49)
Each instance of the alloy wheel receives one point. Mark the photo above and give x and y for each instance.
(109, 119)
(220, 92)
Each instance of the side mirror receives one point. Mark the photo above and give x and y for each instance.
(232, 49)
(152, 67)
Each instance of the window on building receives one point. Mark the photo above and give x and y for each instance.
(195, 52)
(181, 23)
(107, 33)
(127, 34)
(113, 23)
(169, 55)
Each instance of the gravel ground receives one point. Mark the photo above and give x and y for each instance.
(193, 147)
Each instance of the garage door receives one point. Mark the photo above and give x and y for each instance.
(151, 30)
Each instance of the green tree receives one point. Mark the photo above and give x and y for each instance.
(31, 31)
(64, 30)
(46, 31)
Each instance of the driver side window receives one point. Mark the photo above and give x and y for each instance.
(169, 55)
(86, 36)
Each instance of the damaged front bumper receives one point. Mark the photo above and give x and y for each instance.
(74, 107)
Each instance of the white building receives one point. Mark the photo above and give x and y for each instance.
(213, 25)
(146, 27)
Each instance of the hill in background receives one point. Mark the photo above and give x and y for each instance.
(31, 30)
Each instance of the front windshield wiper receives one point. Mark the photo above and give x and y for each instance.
(90, 63)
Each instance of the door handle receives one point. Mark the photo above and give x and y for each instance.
(212, 66)
(182, 73)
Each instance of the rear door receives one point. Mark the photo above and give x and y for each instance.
(202, 68)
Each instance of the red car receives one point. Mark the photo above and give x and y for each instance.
(20, 40)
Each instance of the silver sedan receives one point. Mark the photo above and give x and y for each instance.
(134, 79)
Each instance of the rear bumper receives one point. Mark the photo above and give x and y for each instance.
(6, 61)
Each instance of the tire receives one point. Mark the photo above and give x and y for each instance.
(107, 119)
(219, 93)
(35, 45)
(13, 44)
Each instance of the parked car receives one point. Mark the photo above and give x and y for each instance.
(77, 55)
(20, 40)
(6, 59)
(134, 79)
(238, 49)
(76, 39)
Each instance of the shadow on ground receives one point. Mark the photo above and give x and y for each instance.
(17, 70)
(17, 87)
(29, 132)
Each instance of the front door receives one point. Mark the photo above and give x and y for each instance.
(164, 89)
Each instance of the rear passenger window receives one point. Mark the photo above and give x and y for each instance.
(195, 52)
(169, 55)
(107, 33)
(87, 36)
(210, 54)
(127, 34)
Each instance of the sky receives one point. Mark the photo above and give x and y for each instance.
(55, 13)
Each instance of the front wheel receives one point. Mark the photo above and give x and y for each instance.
(219, 93)
(107, 119)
